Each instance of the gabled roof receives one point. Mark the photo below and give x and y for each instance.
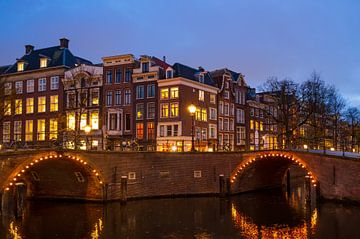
(160, 63)
(58, 56)
(190, 73)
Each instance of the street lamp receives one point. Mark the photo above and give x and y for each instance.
(87, 130)
(192, 110)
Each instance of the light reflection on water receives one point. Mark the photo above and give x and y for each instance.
(255, 215)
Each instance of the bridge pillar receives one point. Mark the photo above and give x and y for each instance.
(8, 202)
(222, 185)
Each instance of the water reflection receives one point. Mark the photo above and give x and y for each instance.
(257, 215)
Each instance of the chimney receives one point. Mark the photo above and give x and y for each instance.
(64, 43)
(164, 58)
(28, 49)
(201, 69)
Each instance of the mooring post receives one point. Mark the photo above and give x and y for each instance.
(123, 189)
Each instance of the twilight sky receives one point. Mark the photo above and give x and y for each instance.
(258, 38)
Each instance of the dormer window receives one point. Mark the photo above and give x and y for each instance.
(169, 74)
(145, 67)
(20, 66)
(43, 62)
(201, 78)
(227, 85)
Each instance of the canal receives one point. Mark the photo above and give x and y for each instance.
(266, 214)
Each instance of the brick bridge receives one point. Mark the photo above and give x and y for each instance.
(116, 175)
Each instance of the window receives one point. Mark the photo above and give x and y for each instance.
(19, 87)
(139, 111)
(169, 74)
(6, 132)
(168, 130)
(118, 97)
(201, 78)
(212, 131)
(198, 114)
(221, 107)
(164, 110)
(53, 129)
(29, 130)
(221, 127)
(231, 122)
(151, 110)
(139, 130)
(94, 94)
(197, 133)
(212, 98)
(43, 62)
(226, 109)
(174, 112)
(20, 66)
(220, 139)
(226, 85)
(145, 67)
(41, 130)
(164, 94)
(261, 126)
(203, 134)
(150, 130)
(30, 86)
(127, 122)
(17, 130)
(54, 83)
(176, 130)
(54, 103)
(240, 116)
(252, 112)
(128, 75)
(70, 121)
(127, 97)
(113, 121)
(29, 105)
(8, 88)
(7, 107)
(83, 121)
(232, 111)
(240, 135)
(94, 120)
(109, 98)
(109, 77)
(212, 114)
(251, 124)
(151, 91)
(18, 106)
(140, 92)
(41, 104)
(162, 130)
(226, 124)
(204, 115)
(42, 84)
(201, 95)
(118, 75)
(226, 94)
(174, 92)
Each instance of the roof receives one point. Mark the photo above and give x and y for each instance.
(3, 69)
(58, 56)
(190, 73)
(160, 63)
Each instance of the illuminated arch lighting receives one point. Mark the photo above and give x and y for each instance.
(248, 162)
(27, 167)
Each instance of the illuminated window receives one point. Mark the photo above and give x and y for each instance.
(42, 84)
(139, 111)
(198, 114)
(174, 109)
(29, 105)
(139, 131)
(19, 87)
(164, 110)
(7, 108)
(6, 132)
(41, 129)
(201, 95)
(18, 106)
(41, 104)
(95, 97)
(30, 86)
(29, 129)
(150, 131)
(43, 62)
(17, 130)
(164, 94)
(261, 126)
(251, 124)
(83, 121)
(71, 121)
(20, 66)
(53, 129)
(174, 92)
(212, 98)
(54, 103)
(204, 115)
(94, 120)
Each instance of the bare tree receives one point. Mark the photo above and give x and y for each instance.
(352, 117)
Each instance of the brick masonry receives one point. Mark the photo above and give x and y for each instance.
(156, 174)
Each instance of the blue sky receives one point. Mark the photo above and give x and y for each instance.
(258, 38)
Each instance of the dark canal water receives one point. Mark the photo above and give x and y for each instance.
(270, 214)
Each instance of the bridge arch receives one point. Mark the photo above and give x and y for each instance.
(58, 175)
(266, 169)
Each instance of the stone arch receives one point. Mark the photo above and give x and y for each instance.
(61, 176)
(266, 170)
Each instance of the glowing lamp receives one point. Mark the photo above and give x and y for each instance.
(192, 109)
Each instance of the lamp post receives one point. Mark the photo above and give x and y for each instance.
(87, 130)
(192, 110)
